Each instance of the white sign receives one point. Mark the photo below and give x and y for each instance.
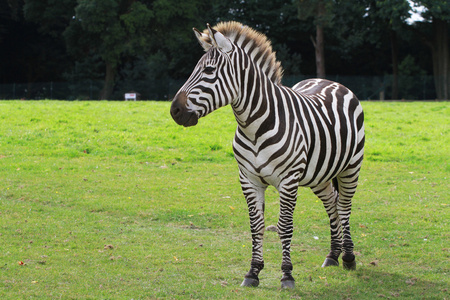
(130, 96)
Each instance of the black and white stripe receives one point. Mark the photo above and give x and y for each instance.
(309, 135)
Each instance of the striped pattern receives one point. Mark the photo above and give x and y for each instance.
(309, 135)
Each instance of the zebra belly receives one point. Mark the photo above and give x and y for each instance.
(264, 168)
(271, 166)
(309, 179)
(327, 161)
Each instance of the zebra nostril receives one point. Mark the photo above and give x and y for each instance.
(176, 111)
(178, 107)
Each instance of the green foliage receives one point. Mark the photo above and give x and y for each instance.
(148, 76)
(395, 11)
(139, 16)
(434, 33)
(320, 11)
(113, 27)
(47, 39)
(408, 69)
(52, 16)
(114, 200)
(438, 9)
(409, 66)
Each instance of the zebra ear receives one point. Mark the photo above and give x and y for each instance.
(202, 39)
(219, 40)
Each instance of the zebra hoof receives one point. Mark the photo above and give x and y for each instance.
(288, 284)
(349, 265)
(330, 262)
(250, 282)
(287, 281)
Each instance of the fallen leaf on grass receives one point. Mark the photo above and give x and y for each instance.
(21, 263)
(108, 247)
(192, 226)
(374, 263)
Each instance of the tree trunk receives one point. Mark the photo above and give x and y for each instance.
(394, 54)
(320, 52)
(108, 85)
(441, 59)
(319, 40)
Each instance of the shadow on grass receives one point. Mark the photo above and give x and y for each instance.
(365, 283)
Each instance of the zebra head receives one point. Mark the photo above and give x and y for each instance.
(206, 89)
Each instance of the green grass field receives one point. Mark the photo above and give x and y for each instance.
(113, 200)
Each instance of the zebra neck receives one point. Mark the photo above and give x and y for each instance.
(257, 109)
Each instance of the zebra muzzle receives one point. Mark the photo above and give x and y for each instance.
(179, 112)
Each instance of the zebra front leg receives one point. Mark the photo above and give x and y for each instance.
(255, 201)
(285, 227)
(329, 196)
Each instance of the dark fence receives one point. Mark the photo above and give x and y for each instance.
(380, 87)
(365, 87)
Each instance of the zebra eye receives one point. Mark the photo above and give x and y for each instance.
(209, 70)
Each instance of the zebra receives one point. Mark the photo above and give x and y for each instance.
(309, 135)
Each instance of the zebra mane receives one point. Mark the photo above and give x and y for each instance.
(254, 43)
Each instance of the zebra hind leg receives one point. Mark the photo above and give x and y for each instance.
(329, 196)
(347, 182)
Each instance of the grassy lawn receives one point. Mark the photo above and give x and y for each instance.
(113, 200)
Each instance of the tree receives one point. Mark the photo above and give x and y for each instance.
(8, 12)
(172, 34)
(34, 47)
(391, 16)
(282, 30)
(117, 45)
(434, 31)
(52, 16)
(321, 11)
(109, 28)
